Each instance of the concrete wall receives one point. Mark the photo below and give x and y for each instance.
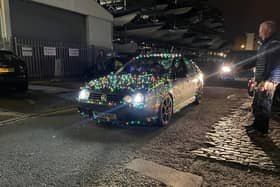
(250, 41)
(99, 24)
(99, 32)
(5, 19)
(66, 20)
(86, 7)
(33, 20)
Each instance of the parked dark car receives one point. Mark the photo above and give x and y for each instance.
(13, 72)
(149, 88)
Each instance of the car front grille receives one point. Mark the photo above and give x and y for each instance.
(116, 98)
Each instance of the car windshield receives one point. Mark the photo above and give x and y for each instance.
(156, 66)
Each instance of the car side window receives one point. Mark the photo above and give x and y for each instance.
(195, 67)
(181, 69)
(190, 68)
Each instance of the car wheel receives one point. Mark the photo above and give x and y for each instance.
(22, 87)
(198, 97)
(165, 111)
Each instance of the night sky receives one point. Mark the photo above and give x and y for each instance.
(245, 15)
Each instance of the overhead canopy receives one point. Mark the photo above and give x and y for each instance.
(122, 20)
(191, 23)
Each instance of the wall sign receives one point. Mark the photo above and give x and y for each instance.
(27, 51)
(49, 51)
(74, 52)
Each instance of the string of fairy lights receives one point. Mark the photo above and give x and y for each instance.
(132, 82)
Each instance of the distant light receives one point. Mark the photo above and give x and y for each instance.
(145, 16)
(242, 46)
(226, 69)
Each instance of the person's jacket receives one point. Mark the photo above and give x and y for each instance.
(267, 61)
(271, 54)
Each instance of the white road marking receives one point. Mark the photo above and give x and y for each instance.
(8, 113)
(14, 120)
(165, 174)
(24, 117)
(50, 89)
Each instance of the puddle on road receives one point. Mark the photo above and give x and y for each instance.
(229, 142)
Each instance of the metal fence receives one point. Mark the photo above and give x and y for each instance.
(5, 43)
(53, 59)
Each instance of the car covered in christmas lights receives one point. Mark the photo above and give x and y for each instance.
(149, 88)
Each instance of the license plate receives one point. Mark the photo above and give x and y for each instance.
(7, 70)
(106, 116)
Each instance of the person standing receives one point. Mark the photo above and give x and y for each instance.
(100, 64)
(267, 76)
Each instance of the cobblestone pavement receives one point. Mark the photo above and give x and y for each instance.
(228, 141)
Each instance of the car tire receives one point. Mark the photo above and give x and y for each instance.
(198, 96)
(22, 87)
(165, 111)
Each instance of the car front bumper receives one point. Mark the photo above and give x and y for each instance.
(122, 112)
(12, 80)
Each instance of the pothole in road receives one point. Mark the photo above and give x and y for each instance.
(229, 142)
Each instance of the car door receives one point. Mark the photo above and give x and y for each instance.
(180, 90)
(192, 83)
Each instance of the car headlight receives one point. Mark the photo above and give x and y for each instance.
(138, 98)
(84, 94)
(226, 69)
(127, 99)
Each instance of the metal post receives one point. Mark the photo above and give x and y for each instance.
(125, 27)
(124, 4)
(16, 46)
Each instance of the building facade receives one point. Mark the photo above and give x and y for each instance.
(55, 37)
(59, 20)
